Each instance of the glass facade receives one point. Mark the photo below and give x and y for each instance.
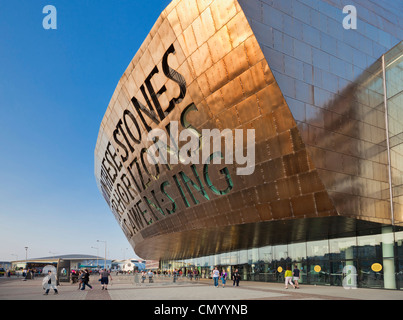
(393, 67)
(324, 110)
(367, 258)
(322, 262)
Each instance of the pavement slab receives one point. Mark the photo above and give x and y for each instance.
(125, 288)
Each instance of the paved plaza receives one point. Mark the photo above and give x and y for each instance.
(125, 288)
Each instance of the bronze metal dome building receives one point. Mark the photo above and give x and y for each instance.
(323, 105)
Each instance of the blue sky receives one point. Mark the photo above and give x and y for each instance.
(55, 86)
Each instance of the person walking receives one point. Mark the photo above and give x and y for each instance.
(288, 278)
(196, 274)
(223, 277)
(86, 279)
(104, 277)
(80, 279)
(150, 276)
(215, 275)
(296, 275)
(236, 276)
(49, 282)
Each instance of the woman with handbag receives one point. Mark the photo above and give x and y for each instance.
(223, 277)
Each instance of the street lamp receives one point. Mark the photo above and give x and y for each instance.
(97, 254)
(105, 252)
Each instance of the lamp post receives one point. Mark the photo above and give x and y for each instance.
(97, 254)
(105, 252)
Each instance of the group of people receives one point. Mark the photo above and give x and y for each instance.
(50, 281)
(292, 275)
(216, 275)
(150, 275)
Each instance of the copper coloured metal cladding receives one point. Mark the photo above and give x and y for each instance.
(201, 66)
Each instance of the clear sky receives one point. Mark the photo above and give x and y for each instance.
(55, 86)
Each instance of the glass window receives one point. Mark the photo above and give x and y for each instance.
(205, 261)
(253, 256)
(367, 277)
(280, 252)
(369, 247)
(217, 259)
(210, 260)
(317, 250)
(243, 257)
(266, 254)
(394, 90)
(399, 275)
(338, 271)
(234, 257)
(319, 272)
(297, 251)
(399, 243)
(225, 259)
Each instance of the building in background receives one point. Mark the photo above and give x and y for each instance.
(324, 104)
(64, 264)
(128, 265)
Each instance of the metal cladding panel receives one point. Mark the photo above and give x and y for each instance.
(331, 79)
(201, 67)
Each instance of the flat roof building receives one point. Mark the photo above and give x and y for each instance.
(258, 134)
(64, 264)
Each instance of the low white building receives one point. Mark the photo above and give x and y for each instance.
(129, 265)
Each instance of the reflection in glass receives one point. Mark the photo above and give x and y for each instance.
(341, 249)
(368, 278)
(399, 243)
(266, 254)
(297, 251)
(317, 250)
(337, 275)
(253, 256)
(319, 275)
(280, 252)
(394, 88)
(369, 247)
(243, 257)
